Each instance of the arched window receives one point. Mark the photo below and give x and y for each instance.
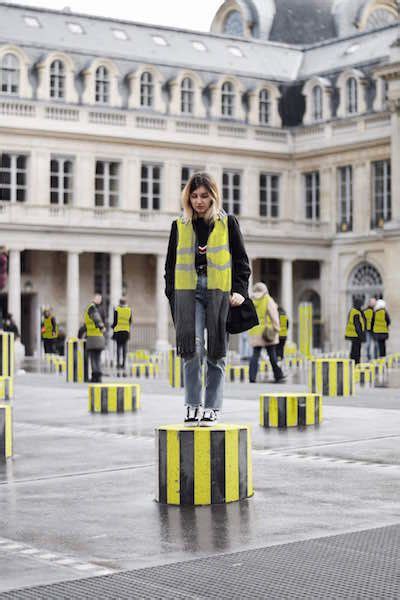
(317, 106)
(264, 105)
(102, 78)
(9, 74)
(57, 80)
(227, 99)
(364, 282)
(351, 96)
(187, 96)
(146, 89)
(234, 24)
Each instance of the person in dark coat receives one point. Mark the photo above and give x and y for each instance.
(355, 329)
(95, 341)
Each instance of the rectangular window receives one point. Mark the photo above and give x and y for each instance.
(61, 181)
(382, 192)
(231, 191)
(269, 195)
(106, 183)
(187, 172)
(13, 173)
(150, 187)
(312, 193)
(345, 198)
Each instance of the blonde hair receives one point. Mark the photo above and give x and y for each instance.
(197, 180)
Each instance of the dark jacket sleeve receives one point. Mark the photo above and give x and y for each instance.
(388, 320)
(240, 261)
(53, 325)
(95, 315)
(171, 261)
(115, 320)
(358, 327)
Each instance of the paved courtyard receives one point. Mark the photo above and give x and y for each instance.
(77, 508)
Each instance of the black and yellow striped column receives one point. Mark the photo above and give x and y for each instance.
(290, 410)
(237, 373)
(6, 354)
(113, 397)
(294, 362)
(331, 377)
(77, 361)
(379, 367)
(199, 465)
(364, 375)
(147, 370)
(6, 388)
(306, 329)
(175, 369)
(6, 431)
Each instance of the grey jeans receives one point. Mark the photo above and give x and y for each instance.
(193, 366)
(372, 346)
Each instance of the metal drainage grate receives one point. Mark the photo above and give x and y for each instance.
(363, 565)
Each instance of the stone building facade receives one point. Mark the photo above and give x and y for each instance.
(293, 106)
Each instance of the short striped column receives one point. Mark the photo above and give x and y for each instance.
(290, 349)
(290, 410)
(146, 370)
(294, 362)
(113, 397)
(264, 368)
(364, 375)
(140, 355)
(6, 354)
(77, 370)
(199, 465)
(331, 377)
(6, 431)
(60, 365)
(175, 369)
(380, 370)
(6, 388)
(237, 373)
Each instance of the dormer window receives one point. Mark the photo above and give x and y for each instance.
(317, 104)
(234, 24)
(264, 107)
(159, 40)
(9, 74)
(146, 89)
(187, 96)
(227, 99)
(102, 93)
(75, 28)
(351, 96)
(32, 21)
(120, 34)
(57, 80)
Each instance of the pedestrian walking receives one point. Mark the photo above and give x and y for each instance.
(95, 341)
(380, 326)
(372, 346)
(10, 326)
(49, 331)
(206, 273)
(355, 330)
(266, 333)
(283, 333)
(121, 327)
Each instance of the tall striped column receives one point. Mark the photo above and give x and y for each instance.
(331, 377)
(113, 397)
(199, 465)
(77, 361)
(6, 354)
(290, 410)
(6, 431)
(305, 329)
(175, 369)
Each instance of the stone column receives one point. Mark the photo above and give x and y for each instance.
(115, 278)
(14, 286)
(162, 307)
(287, 292)
(72, 294)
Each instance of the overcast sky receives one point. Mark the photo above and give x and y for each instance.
(187, 14)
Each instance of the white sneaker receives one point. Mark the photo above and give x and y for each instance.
(192, 416)
(209, 418)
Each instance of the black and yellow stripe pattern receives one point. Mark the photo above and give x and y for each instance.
(393, 360)
(331, 377)
(6, 431)
(199, 466)
(294, 362)
(77, 370)
(139, 355)
(237, 373)
(290, 410)
(175, 369)
(6, 354)
(364, 375)
(6, 388)
(147, 370)
(113, 397)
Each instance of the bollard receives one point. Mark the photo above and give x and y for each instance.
(113, 397)
(202, 465)
(175, 369)
(305, 329)
(380, 371)
(237, 372)
(290, 410)
(77, 370)
(6, 354)
(6, 388)
(331, 377)
(364, 375)
(294, 362)
(147, 370)
(290, 349)
(6, 431)
(139, 356)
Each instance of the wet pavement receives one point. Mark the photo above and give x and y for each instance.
(76, 500)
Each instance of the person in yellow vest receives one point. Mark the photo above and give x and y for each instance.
(380, 326)
(122, 326)
(49, 331)
(266, 333)
(206, 272)
(355, 330)
(95, 341)
(283, 333)
(372, 346)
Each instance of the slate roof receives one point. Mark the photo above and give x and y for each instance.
(303, 21)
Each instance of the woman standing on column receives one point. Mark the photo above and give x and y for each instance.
(206, 272)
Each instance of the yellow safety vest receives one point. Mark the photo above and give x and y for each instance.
(350, 327)
(48, 329)
(219, 259)
(91, 328)
(380, 325)
(261, 305)
(368, 313)
(283, 322)
(124, 315)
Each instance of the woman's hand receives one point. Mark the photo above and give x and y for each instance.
(236, 299)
